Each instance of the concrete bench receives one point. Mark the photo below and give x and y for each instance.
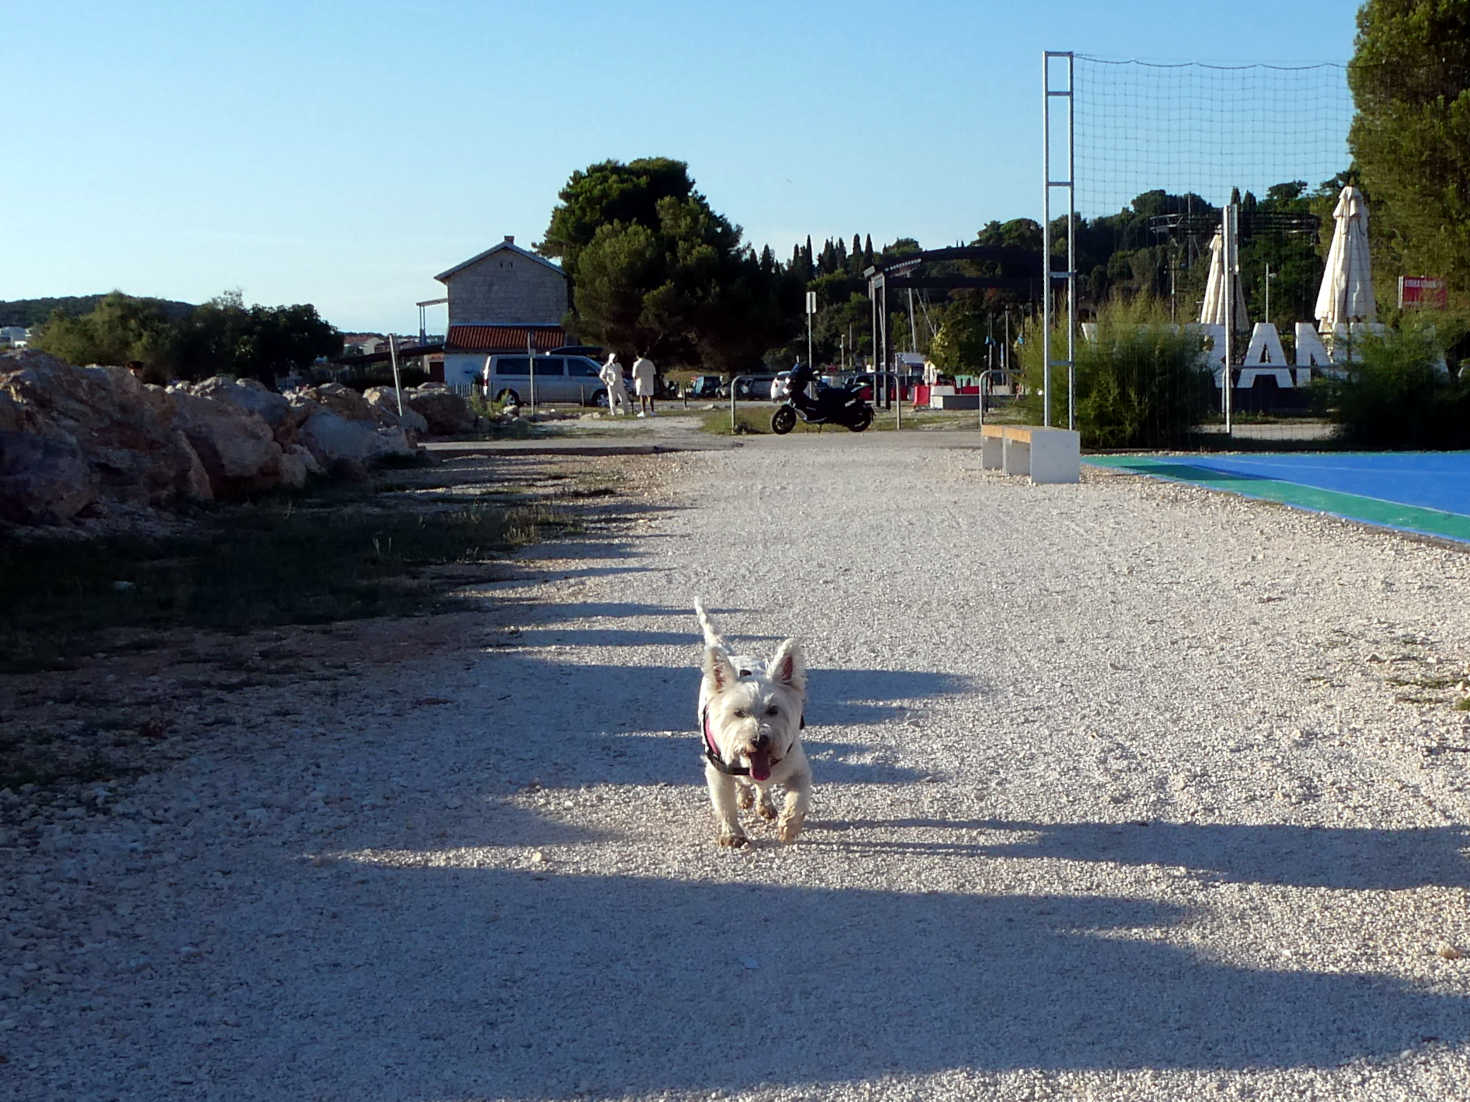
(1046, 454)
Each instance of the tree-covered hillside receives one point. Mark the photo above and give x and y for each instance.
(33, 311)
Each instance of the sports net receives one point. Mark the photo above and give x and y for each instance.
(1193, 134)
(1204, 129)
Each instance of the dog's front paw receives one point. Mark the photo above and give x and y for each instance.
(790, 826)
(744, 797)
(733, 839)
(766, 809)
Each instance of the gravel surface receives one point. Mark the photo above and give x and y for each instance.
(1122, 790)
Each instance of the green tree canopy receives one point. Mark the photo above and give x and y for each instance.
(609, 192)
(222, 337)
(1410, 138)
(654, 269)
(120, 329)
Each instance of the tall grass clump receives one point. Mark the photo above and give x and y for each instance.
(1141, 381)
(1398, 394)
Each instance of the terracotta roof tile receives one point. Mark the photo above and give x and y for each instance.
(503, 338)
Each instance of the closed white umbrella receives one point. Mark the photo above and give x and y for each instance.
(1212, 309)
(1347, 280)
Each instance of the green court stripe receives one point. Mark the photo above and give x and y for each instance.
(1368, 510)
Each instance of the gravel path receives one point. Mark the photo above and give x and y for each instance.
(1122, 790)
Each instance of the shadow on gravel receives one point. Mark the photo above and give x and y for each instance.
(862, 696)
(520, 985)
(1307, 857)
(603, 724)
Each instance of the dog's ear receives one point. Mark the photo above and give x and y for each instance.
(719, 669)
(788, 667)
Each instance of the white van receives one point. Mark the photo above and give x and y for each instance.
(508, 377)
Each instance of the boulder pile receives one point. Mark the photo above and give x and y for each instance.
(78, 442)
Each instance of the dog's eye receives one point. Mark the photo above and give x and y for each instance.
(740, 713)
(773, 711)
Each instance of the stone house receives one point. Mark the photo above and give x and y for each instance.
(500, 301)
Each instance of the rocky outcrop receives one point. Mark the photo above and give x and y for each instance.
(445, 412)
(330, 437)
(76, 441)
(43, 479)
(124, 431)
(384, 403)
(239, 453)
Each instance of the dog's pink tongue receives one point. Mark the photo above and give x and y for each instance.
(760, 764)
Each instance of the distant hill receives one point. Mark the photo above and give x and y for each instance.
(33, 311)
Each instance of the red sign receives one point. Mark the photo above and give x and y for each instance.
(1422, 291)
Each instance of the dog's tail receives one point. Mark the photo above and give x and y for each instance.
(712, 637)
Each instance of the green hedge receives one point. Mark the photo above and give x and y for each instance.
(1142, 383)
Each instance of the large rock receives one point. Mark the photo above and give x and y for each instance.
(445, 412)
(247, 394)
(384, 403)
(298, 466)
(341, 400)
(124, 429)
(331, 437)
(43, 479)
(236, 446)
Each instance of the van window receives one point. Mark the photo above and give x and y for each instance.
(580, 367)
(512, 365)
(550, 365)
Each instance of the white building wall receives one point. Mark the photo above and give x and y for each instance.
(463, 368)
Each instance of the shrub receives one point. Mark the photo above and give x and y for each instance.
(1141, 383)
(1398, 394)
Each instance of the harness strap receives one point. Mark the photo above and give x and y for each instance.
(713, 754)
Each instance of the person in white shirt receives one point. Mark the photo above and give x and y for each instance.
(643, 384)
(612, 377)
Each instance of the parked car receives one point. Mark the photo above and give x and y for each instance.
(591, 351)
(707, 386)
(557, 378)
(753, 388)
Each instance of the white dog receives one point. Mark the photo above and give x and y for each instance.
(750, 719)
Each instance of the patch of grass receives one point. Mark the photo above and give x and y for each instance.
(246, 567)
(1423, 682)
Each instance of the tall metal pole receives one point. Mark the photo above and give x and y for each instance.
(873, 303)
(1049, 277)
(811, 308)
(1229, 217)
(1071, 250)
(397, 384)
(1046, 282)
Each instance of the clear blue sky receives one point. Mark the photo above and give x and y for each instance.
(342, 153)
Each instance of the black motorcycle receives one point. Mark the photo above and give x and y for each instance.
(831, 405)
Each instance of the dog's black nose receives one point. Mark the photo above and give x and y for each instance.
(762, 741)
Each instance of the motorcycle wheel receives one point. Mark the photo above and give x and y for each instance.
(783, 420)
(863, 419)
